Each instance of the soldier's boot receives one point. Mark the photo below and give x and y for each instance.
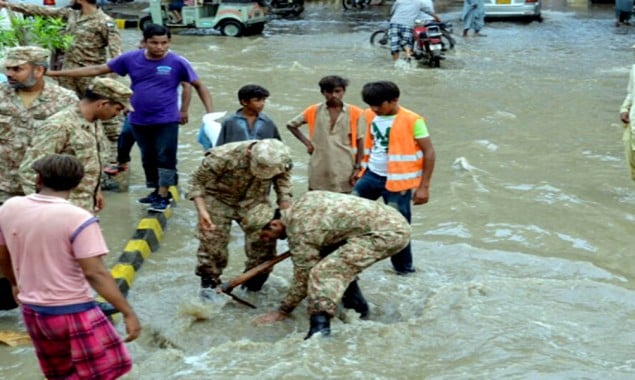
(255, 283)
(320, 323)
(208, 289)
(354, 299)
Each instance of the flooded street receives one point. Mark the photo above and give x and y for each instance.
(524, 253)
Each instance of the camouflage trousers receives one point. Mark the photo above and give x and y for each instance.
(213, 253)
(330, 277)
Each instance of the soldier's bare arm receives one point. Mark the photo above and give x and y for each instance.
(87, 71)
(282, 187)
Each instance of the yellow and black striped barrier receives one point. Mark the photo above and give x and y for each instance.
(145, 240)
(126, 23)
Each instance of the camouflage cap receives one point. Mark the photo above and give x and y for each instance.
(257, 217)
(20, 55)
(113, 90)
(270, 157)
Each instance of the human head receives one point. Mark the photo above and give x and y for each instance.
(265, 221)
(253, 96)
(59, 172)
(382, 97)
(269, 158)
(157, 40)
(77, 4)
(333, 88)
(25, 66)
(107, 98)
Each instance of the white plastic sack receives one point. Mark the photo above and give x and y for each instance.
(211, 125)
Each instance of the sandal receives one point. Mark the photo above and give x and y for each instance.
(114, 169)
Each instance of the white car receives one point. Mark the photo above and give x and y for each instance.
(529, 9)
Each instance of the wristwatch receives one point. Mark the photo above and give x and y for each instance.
(357, 166)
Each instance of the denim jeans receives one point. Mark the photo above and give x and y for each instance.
(372, 186)
(125, 141)
(158, 144)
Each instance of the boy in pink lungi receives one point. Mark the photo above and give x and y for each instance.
(51, 252)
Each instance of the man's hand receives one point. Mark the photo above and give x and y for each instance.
(15, 290)
(99, 202)
(624, 116)
(270, 317)
(133, 327)
(310, 148)
(283, 205)
(184, 117)
(205, 221)
(354, 176)
(421, 196)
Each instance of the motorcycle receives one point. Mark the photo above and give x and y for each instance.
(380, 38)
(427, 45)
(284, 7)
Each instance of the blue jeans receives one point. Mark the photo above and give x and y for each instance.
(125, 141)
(372, 186)
(158, 144)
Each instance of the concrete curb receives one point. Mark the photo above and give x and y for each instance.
(123, 23)
(146, 239)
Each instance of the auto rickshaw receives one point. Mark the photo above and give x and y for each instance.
(232, 18)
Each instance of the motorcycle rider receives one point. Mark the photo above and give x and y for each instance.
(403, 15)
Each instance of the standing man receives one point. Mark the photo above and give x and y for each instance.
(332, 238)
(78, 132)
(334, 142)
(51, 251)
(627, 116)
(399, 158)
(402, 19)
(95, 38)
(232, 179)
(155, 73)
(26, 100)
(473, 17)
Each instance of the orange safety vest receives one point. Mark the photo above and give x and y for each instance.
(354, 113)
(405, 157)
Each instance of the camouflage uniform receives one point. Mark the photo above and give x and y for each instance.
(332, 238)
(231, 183)
(18, 124)
(68, 132)
(92, 35)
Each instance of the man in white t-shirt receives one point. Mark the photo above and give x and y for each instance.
(400, 158)
(51, 252)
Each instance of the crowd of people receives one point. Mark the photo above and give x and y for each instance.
(56, 148)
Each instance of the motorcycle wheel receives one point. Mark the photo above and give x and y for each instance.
(348, 4)
(379, 38)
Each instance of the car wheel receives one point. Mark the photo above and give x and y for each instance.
(144, 21)
(231, 28)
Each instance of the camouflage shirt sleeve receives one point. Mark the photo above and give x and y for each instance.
(304, 257)
(114, 39)
(208, 172)
(37, 10)
(282, 187)
(50, 139)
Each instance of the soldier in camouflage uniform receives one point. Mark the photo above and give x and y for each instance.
(26, 100)
(95, 36)
(232, 179)
(332, 238)
(78, 132)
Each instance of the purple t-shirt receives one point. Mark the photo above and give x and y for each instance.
(155, 85)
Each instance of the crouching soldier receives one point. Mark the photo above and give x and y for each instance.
(332, 238)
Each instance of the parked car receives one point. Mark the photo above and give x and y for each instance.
(529, 9)
(232, 18)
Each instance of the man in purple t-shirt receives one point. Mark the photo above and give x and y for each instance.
(155, 73)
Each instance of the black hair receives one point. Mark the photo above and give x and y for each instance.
(330, 82)
(376, 93)
(152, 30)
(251, 91)
(59, 172)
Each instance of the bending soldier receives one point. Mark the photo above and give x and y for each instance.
(332, 238)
